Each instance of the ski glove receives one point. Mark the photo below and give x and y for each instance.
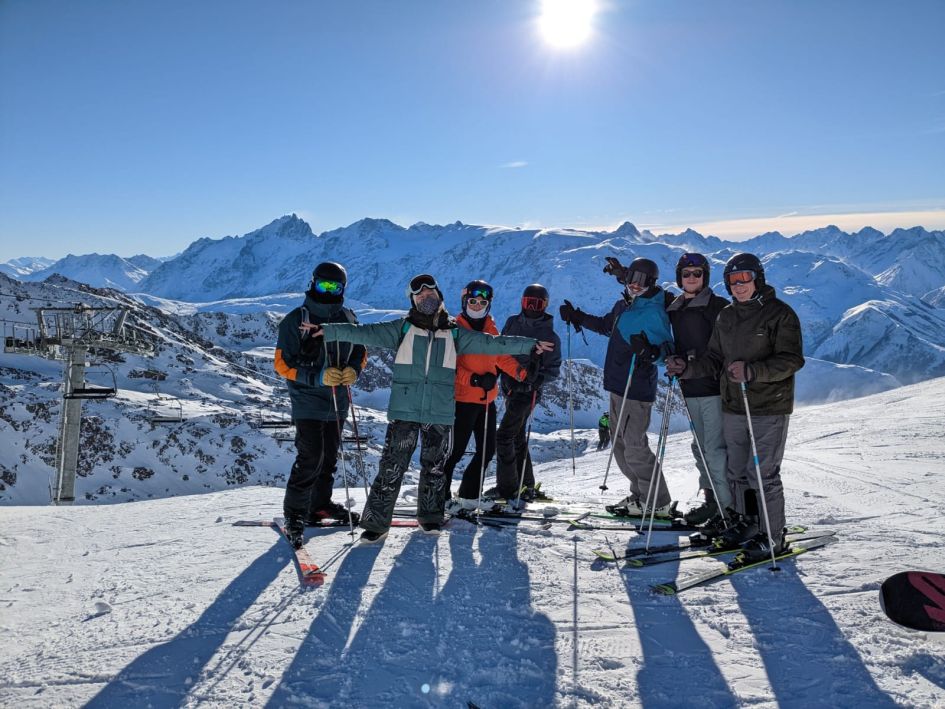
(675, 365)
(641, 347)
(349, 375)
(486, 381)
(332, 376)
(570, 314)
(616, 269)
(739, 371)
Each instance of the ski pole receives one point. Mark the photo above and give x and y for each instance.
(341, 447)
(357, 441)
(623, 402)
(571, 404)
(761, 489)
(705, 465)
(528, 435)
(656, 475)
(482, 471)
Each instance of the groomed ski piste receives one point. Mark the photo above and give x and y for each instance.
(165, 603)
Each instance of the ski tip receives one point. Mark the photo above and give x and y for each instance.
(635, 563)
(605, 555)
(313, 578)
(664, 589)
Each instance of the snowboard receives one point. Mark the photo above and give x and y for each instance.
(915, 599)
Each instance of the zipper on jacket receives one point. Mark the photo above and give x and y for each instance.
(430, 338)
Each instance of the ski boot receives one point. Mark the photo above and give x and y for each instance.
(295, 531)
(739, 531)
(332, 513)
(758, 548)
(700, 515)
(627, 507)
(369, 537)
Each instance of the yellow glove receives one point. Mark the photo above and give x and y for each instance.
(349, 376)
(332, 377)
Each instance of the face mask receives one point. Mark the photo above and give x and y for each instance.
(428, 306)
(475, 314)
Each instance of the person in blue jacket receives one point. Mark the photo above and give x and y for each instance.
(636, 325)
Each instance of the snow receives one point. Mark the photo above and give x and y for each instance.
(165, 603)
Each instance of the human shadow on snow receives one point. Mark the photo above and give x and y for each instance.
(432, 640)
(165, 674)
(808, 660)
(679, 669)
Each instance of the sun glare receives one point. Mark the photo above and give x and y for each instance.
(566, 23)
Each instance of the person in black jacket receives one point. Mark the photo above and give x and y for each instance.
(317, 376)
(692, 316)
(521, 397)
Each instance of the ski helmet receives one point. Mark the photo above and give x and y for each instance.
(535, 299)
(745, 262)
(329, 280)
(419, 282)
(477, 289)
(692, 261)
(648, 272)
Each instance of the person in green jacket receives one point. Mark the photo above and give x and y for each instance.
(603, 431)
(422, 403)
(756, 344)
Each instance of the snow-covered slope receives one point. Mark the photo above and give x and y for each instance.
(97, 270)
(164, 603)
(21, 267)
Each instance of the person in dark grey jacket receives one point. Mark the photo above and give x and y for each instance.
(757, 343)
(521, 397)
(317, 377)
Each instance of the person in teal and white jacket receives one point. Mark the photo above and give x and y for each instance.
(422, 402)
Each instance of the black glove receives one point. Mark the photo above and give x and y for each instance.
(534, 377)
(616, 269)
(675, 365)
(485, 381)
(308, 376)
(641, 347)
(570, 314)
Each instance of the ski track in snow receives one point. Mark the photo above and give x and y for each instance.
(164, 603)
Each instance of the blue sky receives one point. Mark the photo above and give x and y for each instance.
(135, 127)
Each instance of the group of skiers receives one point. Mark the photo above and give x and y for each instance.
(733, 360)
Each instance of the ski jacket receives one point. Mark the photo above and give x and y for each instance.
(542, 329)
(300, 357)
(646, 313)
(424, 370)
(766, 333)
(604, 421)
(469, 364)
(693, 321)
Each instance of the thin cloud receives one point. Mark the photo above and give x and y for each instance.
(515, 164)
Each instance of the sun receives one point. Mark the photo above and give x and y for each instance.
(566, 23)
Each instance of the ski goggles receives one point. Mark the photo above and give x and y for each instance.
(484, 293)
(477, 301)
(323, 285)
(418, 283)
(740, 277)
(531, 302)
(637, 278)
(692, 273)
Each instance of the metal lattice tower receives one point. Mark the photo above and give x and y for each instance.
(67, 334)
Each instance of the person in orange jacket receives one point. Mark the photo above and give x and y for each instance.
(476, 377)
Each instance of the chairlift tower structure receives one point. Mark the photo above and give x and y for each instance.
(68, 334)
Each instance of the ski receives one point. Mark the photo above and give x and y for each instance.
(607, 555)
(310, 574)
(334, 524)
(722, 570)
(915, 599)
(654, 559)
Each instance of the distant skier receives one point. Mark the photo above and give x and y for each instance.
(312, 371)
(521, 397)
(427, 342)
(757, 342)
(693, 316)
(603, 431)
(636, 325)
(476, 378)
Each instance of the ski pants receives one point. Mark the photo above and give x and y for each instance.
(706, 414)
(770, 436)
(603, 435)
(399, 445)
(471, 420)
(313, 473)
(511, 443)
(632, 449)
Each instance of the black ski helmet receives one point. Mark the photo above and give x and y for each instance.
(477, 289)
(419, 282)
(692, 261)
(535, 298)
(648, 268)
(332, 272)
(745, 262)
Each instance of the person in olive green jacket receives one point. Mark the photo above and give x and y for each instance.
(422, 402)
(757, 342)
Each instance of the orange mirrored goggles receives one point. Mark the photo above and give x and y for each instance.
(740, 277)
